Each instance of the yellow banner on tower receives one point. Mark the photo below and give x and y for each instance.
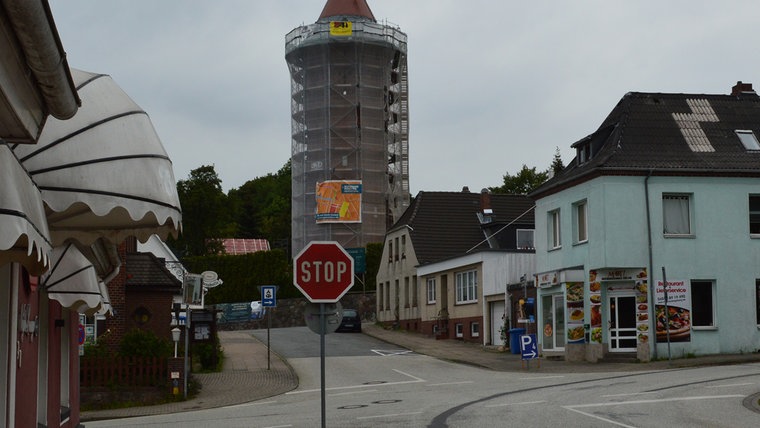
(341, 28)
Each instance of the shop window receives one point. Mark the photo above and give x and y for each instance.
(702, 304)
(475, 329)
(676, 214)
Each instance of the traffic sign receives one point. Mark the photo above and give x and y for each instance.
(268, 296)
(528, 346)
(323, 271)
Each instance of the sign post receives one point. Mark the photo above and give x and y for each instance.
(324, 272)
(268, 300)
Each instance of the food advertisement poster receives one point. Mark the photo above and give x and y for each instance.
(576, 333)
(678, 317)
(595, 307)
(339, 201)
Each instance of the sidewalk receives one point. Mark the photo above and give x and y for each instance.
(245, 377)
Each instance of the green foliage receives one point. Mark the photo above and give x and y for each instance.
(206, 214)
(557, 164)
(209, 356)
(522, 183)
(262, 207)
(144, 343)
(242, 274)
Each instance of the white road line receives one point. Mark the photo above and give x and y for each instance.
(353, 392)
(340, 388)
(451, 383)
(389, 415)
(574, 408)
(407, 374)
(729, 386)
(661, 400)
(629, 394)
(599, 418)
(385, 353)
(280, 426)
(516, 404)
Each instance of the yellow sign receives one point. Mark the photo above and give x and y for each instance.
(341, 28)
(339, 201)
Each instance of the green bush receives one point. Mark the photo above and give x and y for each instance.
(144, 343)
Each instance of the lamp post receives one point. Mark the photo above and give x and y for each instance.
(175, 337)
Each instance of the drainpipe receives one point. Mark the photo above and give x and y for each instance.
(650, 309)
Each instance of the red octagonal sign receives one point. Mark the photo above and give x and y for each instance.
(323, 271)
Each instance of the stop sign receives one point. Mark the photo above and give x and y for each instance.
(323, 271)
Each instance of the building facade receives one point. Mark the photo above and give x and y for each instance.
(647, 242)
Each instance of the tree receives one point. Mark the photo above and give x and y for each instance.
(523, 182)
(557, 165)
(263, 207)
(206, 215)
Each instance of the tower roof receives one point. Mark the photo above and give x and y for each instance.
(347, 8)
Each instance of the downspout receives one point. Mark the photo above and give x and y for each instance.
(650, 309)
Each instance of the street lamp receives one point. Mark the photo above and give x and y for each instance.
(175, 337)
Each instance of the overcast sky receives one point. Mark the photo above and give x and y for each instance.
(494, 84)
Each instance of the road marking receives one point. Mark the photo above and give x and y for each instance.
(629, 394)
(340, 388)
(389, 415)
(385, 353)
(451, 383)
(541, 377)
(729, 386)
(353, 392)
(280, 426)
(574, 408)
(516, 404)
(255, 403)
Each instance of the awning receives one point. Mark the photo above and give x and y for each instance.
(105, 307)
(104, 172)
(72, 280)
(24, 235)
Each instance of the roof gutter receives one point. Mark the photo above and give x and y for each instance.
(33, 24)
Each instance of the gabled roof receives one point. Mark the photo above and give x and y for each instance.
(668, 134)
(346, 8)
(144, 270)
(446, 224)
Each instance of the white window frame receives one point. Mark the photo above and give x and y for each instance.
(555, 230)
(466, 286)
(673, 205)
(748, 139)
(713, 325)
(474, 329)
(532, 234)
(580, 214)
(430, 284)
(459, 329)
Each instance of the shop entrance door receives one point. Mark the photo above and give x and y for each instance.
(622, 322)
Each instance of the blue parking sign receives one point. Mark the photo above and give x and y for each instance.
(528, 347)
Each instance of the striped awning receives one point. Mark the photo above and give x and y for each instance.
(72, 281)
(104, 172)
(24, 235)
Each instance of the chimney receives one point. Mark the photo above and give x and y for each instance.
(742, 88)
(485, 201)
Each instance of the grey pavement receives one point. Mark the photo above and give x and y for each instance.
(246, 378)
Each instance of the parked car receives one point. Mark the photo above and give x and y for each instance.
(351, 321)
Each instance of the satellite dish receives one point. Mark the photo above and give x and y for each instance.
(210, 279)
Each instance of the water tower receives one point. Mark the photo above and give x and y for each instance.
(350, 126)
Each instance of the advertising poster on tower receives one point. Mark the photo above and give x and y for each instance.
(339, 201)
(678, 312)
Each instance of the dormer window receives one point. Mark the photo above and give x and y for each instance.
(748, 139)
(584, 153)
